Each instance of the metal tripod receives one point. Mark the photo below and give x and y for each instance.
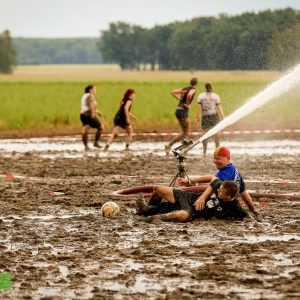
(181, 165)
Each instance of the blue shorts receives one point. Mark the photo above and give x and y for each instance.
(181, 114)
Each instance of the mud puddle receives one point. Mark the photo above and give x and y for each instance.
(72, 148)
(56, 245)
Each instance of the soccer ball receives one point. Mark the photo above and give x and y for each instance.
(110, 209)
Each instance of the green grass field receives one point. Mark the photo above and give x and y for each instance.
(54, 100)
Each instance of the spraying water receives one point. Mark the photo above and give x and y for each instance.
(273, 90)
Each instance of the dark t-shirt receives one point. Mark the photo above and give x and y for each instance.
(214, 206)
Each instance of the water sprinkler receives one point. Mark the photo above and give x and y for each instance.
(177, 152)
(186, 148)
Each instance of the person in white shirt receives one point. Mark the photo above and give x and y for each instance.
(89, 116)
(209, 105)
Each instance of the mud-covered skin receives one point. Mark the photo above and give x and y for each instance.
(57, 245)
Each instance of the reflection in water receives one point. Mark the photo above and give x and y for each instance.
(72, 148)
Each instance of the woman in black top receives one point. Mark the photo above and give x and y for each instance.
(122, 118)
(185, 97)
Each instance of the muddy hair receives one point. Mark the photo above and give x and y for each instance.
(231, 188)
(88, 88)
(208, 87)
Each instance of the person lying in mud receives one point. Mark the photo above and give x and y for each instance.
(218, 200)
(226, 171)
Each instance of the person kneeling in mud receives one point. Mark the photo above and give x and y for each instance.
(219, 200)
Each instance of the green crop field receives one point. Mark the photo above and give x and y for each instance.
(49, 97)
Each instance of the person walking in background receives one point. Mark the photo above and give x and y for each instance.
(122, 119)
(185, 97)
(209, 105)
(90, 116)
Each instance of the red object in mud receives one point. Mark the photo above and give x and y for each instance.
(147, 190)
(9, 176)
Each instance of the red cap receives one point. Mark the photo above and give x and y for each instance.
(222, 151)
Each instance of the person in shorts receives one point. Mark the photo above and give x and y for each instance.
(122, 119)
(185, 97)
(226, 171)
(209, 105)
(220, 203)
(90, 116)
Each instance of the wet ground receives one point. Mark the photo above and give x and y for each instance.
(57, 246)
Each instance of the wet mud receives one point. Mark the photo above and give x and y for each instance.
(57, 245)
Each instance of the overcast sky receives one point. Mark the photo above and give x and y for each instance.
(86, 18)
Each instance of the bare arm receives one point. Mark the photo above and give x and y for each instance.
(201, 179)
(219, 110)
(99, 113)
(175, 93)
(200, 202)
(132, 116)
(199, 112)
(189, 98)
(92, 106)
(126, 109)
(248, 200)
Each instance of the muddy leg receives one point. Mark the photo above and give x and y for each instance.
(185, 125)
(161, 192)
(175, 216)
(84, 136)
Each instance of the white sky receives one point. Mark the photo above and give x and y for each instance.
(86, 18)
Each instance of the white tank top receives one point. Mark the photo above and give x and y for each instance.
(84, 104)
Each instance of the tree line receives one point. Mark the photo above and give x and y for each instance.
(35, 51)
(250, 41)
(7, 53)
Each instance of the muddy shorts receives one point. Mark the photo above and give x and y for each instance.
(120, 120)
(210, 121)
(181, 114)
(185, 201)
(86, 119)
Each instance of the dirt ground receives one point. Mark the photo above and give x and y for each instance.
(57, 246)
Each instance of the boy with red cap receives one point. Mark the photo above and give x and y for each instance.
(227, 171)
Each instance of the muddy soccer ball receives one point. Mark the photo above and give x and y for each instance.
(110, 209)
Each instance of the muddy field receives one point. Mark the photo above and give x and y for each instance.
(57, 246)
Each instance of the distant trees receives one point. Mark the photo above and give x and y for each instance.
(125, 44)
(248, 41)
(284, 49)
(36, 51)
(7, 53)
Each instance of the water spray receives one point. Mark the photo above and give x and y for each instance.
(273, 90)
